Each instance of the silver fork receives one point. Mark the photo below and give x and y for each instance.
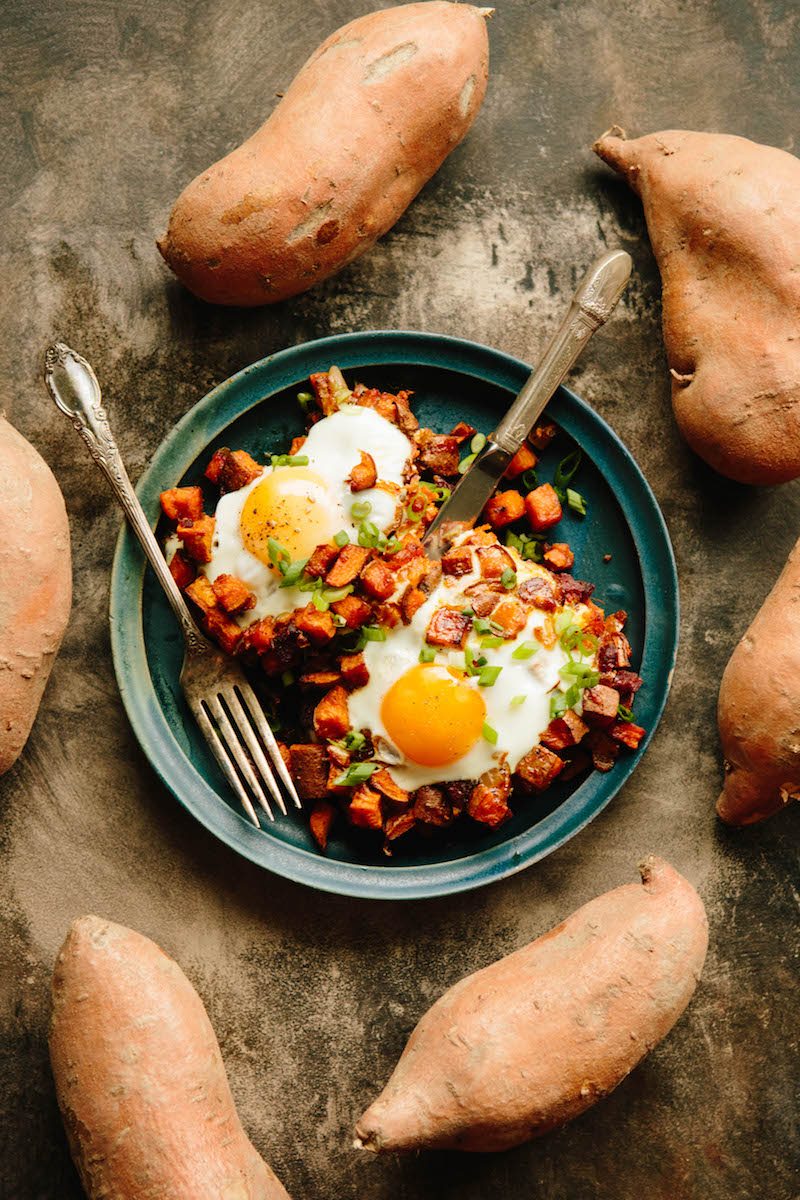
(223, 703)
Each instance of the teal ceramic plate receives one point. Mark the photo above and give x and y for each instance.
(452, 380)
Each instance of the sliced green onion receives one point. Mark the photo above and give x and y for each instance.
(525, 651)
(341, 538)
(354, 740)
(334, 594)
(564, 620)
(305, 400)
(337, 619)
(319, 602)
(530, 479)
(368, 534)
(491, 642)
(393, 544)
(509, 579)
(566, 469)
(469, 612)
(581, 673)
(576, 502)
(558, 704)
(292, 573)
(624, 714)
(489, 734)
(465, 464)
(412, 514)
(427, 654)
(516, 701)
(289, 460)
(306, 584)
(514, 541)
(442, 493)
(533, 551)
(357, 773)
(277, 554)
(287, 678)
(477, 443)
(373, 633)
(488, 676)
(484, 625)
(361, 510)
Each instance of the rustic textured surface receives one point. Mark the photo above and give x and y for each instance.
(107, 110)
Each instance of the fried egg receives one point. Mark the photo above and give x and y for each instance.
(300, 507)
(433, 720)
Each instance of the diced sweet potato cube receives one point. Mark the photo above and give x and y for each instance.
(297, 444)
(321, 560)
(482, 597)
(542, 435)
(308, 765)
(232, 469)
(182, 503)
(629, 734)
(574, 591)
(323, 814)
(330, 389)
(377, 580)
(197, 537)
(522, 461)
(494, 560)
(223, 630)
(365, 810)
(431, 807)
(408, 552)
(413, 600)
(539, 592)
(201, 593)
(510, 615)
(504, 508)
(355, 611)
(564, 731)
(594, 620)
(457, 561)
(603, 749)
(383, 782)
(600, 705)
(388, 615)
(400, 823)
(347, 566)
(539, 768)
(488, 800)
(364, 474)
(317, 626)
(615, 622)
(260, 636)
(448, 627)
(482, 535)
(543, 508)
(438, 452)
(614, 652)
(331, 716)
(182, 569)
(355, 673)
(321, 679)
(558, 557)
(233, 594)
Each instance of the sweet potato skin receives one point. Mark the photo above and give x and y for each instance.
(723, 214)
(759, 708)
(35, 586)
(533, 1040)
(346, 150)
(133, 1051)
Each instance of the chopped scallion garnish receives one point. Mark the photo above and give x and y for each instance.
(576, 502)
(509, 579)
(566, 469)
(490, 735)
(491, 642)
(373, 633)
(516, 701)
(361, 510)
(525, 651)
(341, 538)
(477, 443)
(427, 654)
(488, 676)
(355, 774)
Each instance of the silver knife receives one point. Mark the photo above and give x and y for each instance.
(592, 305)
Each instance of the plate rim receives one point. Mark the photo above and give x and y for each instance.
(149, 723)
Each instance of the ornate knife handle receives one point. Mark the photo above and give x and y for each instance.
(76, 393)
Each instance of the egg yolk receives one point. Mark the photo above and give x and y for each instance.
(432, 715)
(292, 506)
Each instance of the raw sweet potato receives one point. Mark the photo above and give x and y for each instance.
(140, 1080)
(35, 586)
(531, 1041)
(366, 122)
(759, 708)
(723, 215)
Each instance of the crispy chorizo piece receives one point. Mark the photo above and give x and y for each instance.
(364, 474)
(413, 600)
(317, 626)
(504, 508)
(448, 627)
(600, 705)
(233, 594)
(182, 569)
(540, 593)
(259, 637)
(431, 807)
(522, 461)
(603, 749)
(564, 731)
(320, 679)
(308, 765)
(355, 673)
(354, 611)
(197, 537)
(576, 764)
(615, 622)
(543, 508)
(288, 644)
(626, 732)
(323, 815)
(510, 615)
(594, 621)
(383, 782)
(232, 469)
(201, 593)
(494, 560)
(488, 801)
(347, 565)
(457, 561)
(438, 452)
(182, 503)
(331, 715)
(462, 431)
(482, 597)
(542, 435)
(539, 768)
(377, 580)
(627, 683)
(574, 591)
(558, 557)
(400, 823)
(330, 390)
(614, 652)
(365, 810)
(458, 792)
(321, 560)
(223, 630)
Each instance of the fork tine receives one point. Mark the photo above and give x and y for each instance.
(254, 746)
(235, 748)
(226, 766)
(268, 738)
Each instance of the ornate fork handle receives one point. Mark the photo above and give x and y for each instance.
(74, 388)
